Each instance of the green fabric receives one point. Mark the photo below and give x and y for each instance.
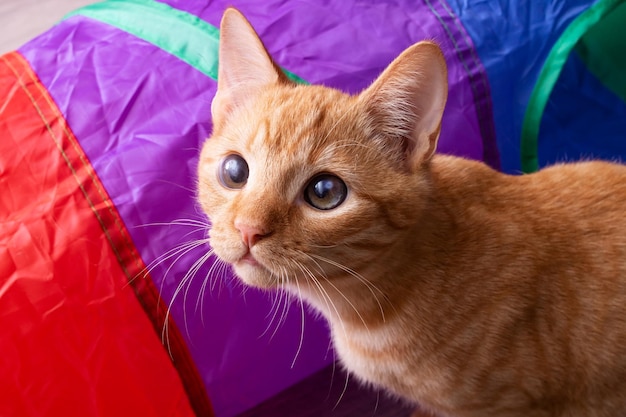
(550, 73)
(179, 33)
(603, 49)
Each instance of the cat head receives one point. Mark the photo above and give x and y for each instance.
(306, 181)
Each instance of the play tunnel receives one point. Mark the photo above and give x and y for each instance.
(108, 304)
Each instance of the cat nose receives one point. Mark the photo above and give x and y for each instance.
(250, 234)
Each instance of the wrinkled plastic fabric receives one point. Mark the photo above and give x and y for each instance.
(140, 116)
(512, 40)
(74, 340)
(583, 119)
(141, 127)
(345, 44)
(585, 116)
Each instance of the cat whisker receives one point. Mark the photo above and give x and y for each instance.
(275, 315)
(189, 245)
(271, 315)
(197, 225)
(177, 253)
(302, 315)
(185, 281)
(322, 291)
(188, 278)
(287, 298)
(178, 222)
(343, 392)
(192, 272)
(280, 296)
(186, 284)
(332, 378)
(179, 250)
(350, 303)
(368, 284)
(377, 402)
(177, 185)
(221, 272)
(306, 271)
(202, 293)
(165, 331)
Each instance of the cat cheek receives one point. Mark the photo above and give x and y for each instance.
(213, 198)
(207, 196)
(226, 246)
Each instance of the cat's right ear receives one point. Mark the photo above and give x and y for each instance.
(244, 65)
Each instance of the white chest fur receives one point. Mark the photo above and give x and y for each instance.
(389, 357)
(376, 357)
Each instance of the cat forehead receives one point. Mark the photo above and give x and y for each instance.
(300, 121)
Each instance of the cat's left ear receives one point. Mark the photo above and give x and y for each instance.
(244, 65)
(407, 100)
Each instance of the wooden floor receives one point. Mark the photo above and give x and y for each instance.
(320, 395)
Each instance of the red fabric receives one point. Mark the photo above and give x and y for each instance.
(74, 340)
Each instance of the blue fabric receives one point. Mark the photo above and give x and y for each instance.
(513, 39)
(582, 120)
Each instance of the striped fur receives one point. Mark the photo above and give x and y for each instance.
(465, 290)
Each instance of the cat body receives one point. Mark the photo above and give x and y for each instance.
(511, 308)
(468, 291)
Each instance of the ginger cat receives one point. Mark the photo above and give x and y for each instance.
(467, 291)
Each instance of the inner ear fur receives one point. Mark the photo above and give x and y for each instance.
(406, 102)
(245, 66)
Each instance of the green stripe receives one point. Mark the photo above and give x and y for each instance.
(179, 33)
(549, 75)
(603, 50)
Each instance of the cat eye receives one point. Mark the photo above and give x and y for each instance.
(325, 192)
(233, 172)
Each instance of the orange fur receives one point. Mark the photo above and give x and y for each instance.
(470, 292)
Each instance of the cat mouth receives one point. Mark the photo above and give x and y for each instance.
(248, 259)
(254, 273)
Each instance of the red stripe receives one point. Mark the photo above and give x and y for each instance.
(74, 338)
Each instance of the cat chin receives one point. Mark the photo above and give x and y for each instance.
(255, 275)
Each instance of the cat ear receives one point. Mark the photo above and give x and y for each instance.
(407, 100)
(244, 65)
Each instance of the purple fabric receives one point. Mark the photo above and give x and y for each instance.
(141, 115)
(346, 44)
(474, 75)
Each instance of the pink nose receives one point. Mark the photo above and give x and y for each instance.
(250, 234)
